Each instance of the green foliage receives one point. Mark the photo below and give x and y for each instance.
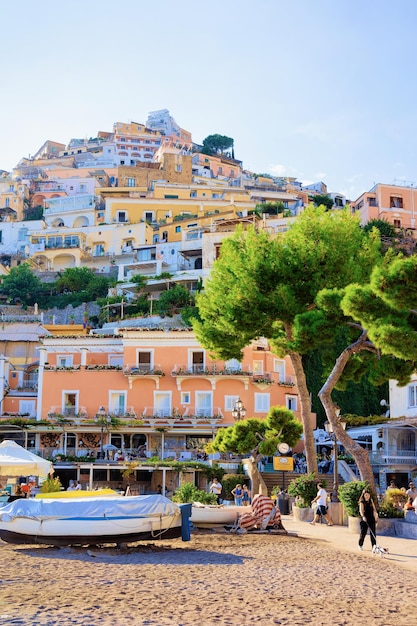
(51, 485)
(385, 228)
(353, 421)
(188, 314)
(229, 482)
(322, 200)
(188, 492)
(139, 280)
(272, 208)
(245, 435)
(349, 494)
(21, 285)
(171, 301)
(388, 510)
(216, 144)
(33, 213)
(305, 488)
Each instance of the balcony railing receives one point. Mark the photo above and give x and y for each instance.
(186, 414)
(143, 369)
(393, 456)
(209, 370)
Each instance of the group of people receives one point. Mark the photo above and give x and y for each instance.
(241, 493)
(74, 485)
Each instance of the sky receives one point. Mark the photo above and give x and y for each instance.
(321, 90)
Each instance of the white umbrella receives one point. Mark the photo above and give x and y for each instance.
(17, 461)
(13, 466)
(110, 446)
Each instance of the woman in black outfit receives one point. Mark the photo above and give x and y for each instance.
(369, 517)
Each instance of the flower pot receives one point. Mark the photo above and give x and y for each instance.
(354, 525)
(303, 515)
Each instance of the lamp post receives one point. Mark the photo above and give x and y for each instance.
(329, 430)
(238, 411)
(103, 420)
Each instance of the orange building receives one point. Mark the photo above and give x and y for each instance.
(395, 204)
(156, 388)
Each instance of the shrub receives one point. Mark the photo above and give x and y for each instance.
(189, 493)
(304, 488)
(349, 495)
(50, 485)
(229, 482)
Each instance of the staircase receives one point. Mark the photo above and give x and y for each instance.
(283, 479)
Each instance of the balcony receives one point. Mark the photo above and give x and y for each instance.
(189, 414)
(143, 370)
(212, 372)
(392, 456)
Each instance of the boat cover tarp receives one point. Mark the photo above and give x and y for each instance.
(90, 508)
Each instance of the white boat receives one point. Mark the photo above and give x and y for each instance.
(207, 515)
(92, 521)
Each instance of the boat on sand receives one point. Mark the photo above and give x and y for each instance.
(208, 515)
(81, 521)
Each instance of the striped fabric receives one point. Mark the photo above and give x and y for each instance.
(264, 514)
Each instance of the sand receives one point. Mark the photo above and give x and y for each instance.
(215, 579)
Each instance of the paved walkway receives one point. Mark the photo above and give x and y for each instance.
(401, 551)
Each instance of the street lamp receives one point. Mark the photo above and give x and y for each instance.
(103, 420)
(329, 430)
(238, 411)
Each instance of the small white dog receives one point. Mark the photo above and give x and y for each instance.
(382, 552)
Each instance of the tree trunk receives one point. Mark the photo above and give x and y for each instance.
(309, 447)
(360, 455)
(258, 484)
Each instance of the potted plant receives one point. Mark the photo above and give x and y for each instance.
(304, 490)
(349, 494)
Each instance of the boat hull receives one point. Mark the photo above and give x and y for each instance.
(90, 521)
(205, 516)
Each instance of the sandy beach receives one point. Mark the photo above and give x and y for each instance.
(215, 579)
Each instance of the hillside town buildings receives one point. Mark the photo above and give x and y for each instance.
(143, 199)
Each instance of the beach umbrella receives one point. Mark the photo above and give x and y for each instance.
(13, 466)
(110, 446)
(17, 461)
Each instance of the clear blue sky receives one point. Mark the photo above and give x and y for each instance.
(317, 89)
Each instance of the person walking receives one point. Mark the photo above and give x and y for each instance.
(216, 488)
(369, 517)
(321, 499)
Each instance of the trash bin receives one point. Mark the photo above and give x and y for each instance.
(186, 510)
(284, 505)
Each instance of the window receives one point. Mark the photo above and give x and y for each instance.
(99, 249)
(233, 365)
(291, 402)
(117, 403)
(131, 182)
(193, 194)
(220, 170)
(7, 202)
(122, 217)
(144, 360)
(162, 404)
(229, 402)
(148, 217)
(258, 367)
(116, 360)
(196, 361)
(279, 368)
(396, 202)
(11, 187)
(64, 360)
(372, 201)
(1, 236)
(397, 224)
(204, 403)
(262, 402)
(178, 229)
(178, 168)
(27, 406)
(412, 396)
(69, 402)
(185, 397)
